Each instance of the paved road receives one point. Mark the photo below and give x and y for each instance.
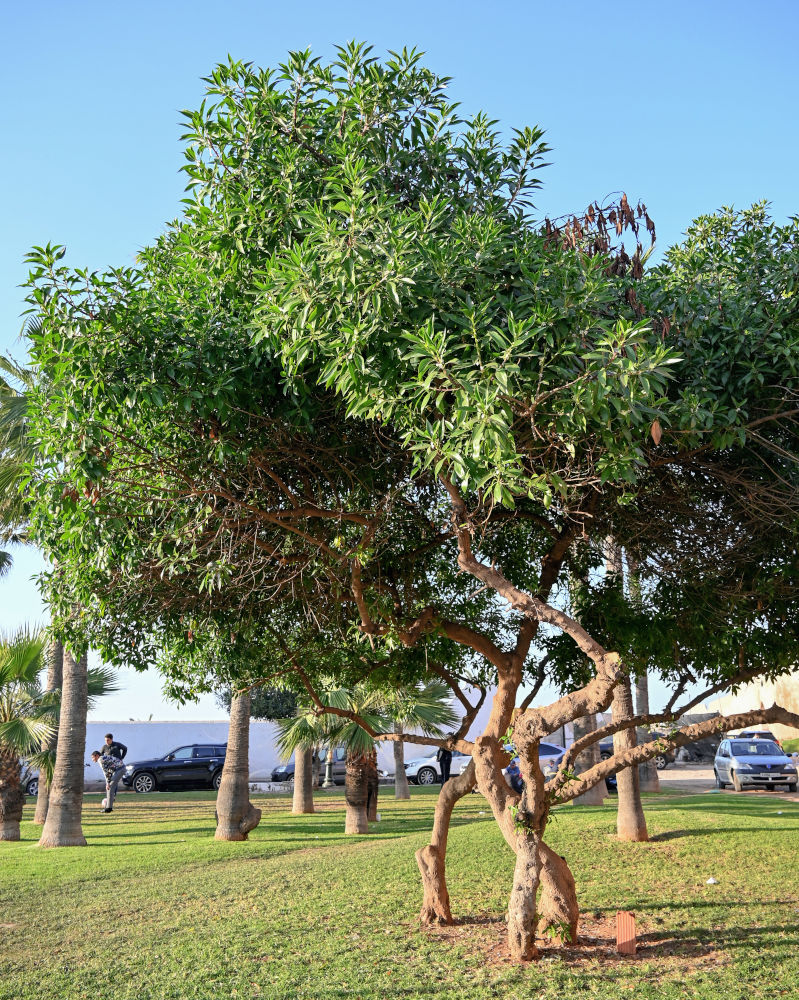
(698, 778)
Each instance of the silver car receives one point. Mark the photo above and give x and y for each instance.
(753, 763)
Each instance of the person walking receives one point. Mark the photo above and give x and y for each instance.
(444, 757)
(113, 748)
(113, 769)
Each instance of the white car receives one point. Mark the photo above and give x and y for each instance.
(427, 770)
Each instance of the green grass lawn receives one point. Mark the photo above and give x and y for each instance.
(154, 908)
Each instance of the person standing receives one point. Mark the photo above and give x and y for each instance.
(113, 748)
(444, 757)
(113, 769)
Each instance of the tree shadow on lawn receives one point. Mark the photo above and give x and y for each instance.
(660, 838)
(690, 950)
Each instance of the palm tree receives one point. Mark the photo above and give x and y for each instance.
(27, 718)
(235, 814)
(424, 707)
(17, 455)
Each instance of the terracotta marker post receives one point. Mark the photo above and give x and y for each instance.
(625, 932)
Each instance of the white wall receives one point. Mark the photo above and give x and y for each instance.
(155, 739)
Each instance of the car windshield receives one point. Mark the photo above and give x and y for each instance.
(755, 748)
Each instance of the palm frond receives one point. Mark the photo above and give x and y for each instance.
(100, 681)
(24, 736)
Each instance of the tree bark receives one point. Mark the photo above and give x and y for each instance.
(432, 858)
(372, 788)
(557, 906)
(356, 791)
(596, 795)
(401, 788)
(647, 772)
(62, 827)
(55, 673)
(302, 802)
(235, 814)
(12, 798)
(521, 905)
(630, 821)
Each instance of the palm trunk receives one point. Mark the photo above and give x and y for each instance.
(62, 827)
(236, 815)
(356, 791)
(630, 822)
(303, 781)
(401, 787)
(372, 788)
(55, 673)
(12, 798)
(596, 795)
(647, 773)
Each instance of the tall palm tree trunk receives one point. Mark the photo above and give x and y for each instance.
(630, 821)
(647, 772)
(302, 803)
(372, 788)
(55, 673)
(356, 791)
(62, 828)
(12, 798)
(401, 787)
(585, 760)
(235, 814)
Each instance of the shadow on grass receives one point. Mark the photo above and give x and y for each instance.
(660, 838)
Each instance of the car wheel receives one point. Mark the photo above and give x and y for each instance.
(736, 782)
(216, 781)
(604, 755)
(144, 782)
(32, 787)
(426, 776)
(661, 762)
(792, 787)
(719, 782)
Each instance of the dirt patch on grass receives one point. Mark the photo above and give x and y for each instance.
(658, 949)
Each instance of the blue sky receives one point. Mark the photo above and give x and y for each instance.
(687, 106)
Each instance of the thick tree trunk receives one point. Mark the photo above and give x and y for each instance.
(521, 906)
(630, 822)
(647, 773)
(235, 814)
(302, 802)
(585, 760)
(12, 798)
(62, 827)
(401, 787)
(557, 907)
(372, 788)
(356, 791)
(55, 673)
(432, 858)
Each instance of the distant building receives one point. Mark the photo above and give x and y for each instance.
(763, 694)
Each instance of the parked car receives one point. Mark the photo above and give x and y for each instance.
(285, 772)
(427, 770)
(753, 763)
(661, 761)
(755, 734)
(198, 765)
(550, 769)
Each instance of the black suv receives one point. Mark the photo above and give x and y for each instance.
(195, 766)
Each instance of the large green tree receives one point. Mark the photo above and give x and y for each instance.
(360, 378)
